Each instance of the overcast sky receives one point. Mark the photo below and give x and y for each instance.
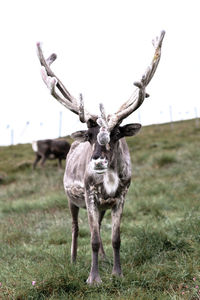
(103, 46)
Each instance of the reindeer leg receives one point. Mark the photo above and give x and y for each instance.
(116, 218)
(93, 218)
(60, 162)
(43, 160)
(37, 159)
(74, 213)
(101, 249)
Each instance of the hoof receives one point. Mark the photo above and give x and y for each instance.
(117, 273)
(94, 280)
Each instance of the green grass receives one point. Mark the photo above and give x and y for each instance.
(160, 227)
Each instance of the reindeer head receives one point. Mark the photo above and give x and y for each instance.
(103, 131)
(103, 140)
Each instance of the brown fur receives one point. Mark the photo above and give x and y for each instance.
(50, 149)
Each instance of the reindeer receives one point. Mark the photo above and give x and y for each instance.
(50, 149)
(98, 165)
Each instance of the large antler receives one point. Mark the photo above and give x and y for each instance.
(139, 94)
(59, 91)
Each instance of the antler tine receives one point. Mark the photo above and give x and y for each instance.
(46, 64)
(51, 59)
(139, 94)
(51, 83)
(81, 110)
(103, 136)
(103, 114)
(157, 43)
(102, 121)
(54, 84)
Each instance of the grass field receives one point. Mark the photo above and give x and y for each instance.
(160, 251)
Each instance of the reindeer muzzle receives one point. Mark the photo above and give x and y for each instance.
(99, 165)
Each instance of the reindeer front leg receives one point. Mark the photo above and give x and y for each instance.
(116, 241)
(101, 249)
(74, 213)
(93, 218)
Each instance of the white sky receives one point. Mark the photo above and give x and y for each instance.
(103, 46)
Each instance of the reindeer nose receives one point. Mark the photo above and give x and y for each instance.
(96, 156)
(98, 153)
(100, 162)
(99, 165)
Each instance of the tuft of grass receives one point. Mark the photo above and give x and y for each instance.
(165, 160)
(22, 206)
(23, 165)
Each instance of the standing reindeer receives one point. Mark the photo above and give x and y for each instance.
(50, 149)
(98, 166)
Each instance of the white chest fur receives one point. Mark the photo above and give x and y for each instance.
(110, 182)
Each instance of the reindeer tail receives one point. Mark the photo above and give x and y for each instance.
(35, 146)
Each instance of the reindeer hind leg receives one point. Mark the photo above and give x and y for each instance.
(43, 160)
(37, 159)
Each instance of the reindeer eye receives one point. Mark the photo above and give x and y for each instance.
(89, 136)
(86, 136)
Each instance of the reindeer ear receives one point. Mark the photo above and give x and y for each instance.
(130, 129)
(80, 136)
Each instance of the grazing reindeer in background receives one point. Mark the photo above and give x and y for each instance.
(50, 149)
(98, 166)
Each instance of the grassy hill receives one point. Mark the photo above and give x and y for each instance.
(160, 249)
